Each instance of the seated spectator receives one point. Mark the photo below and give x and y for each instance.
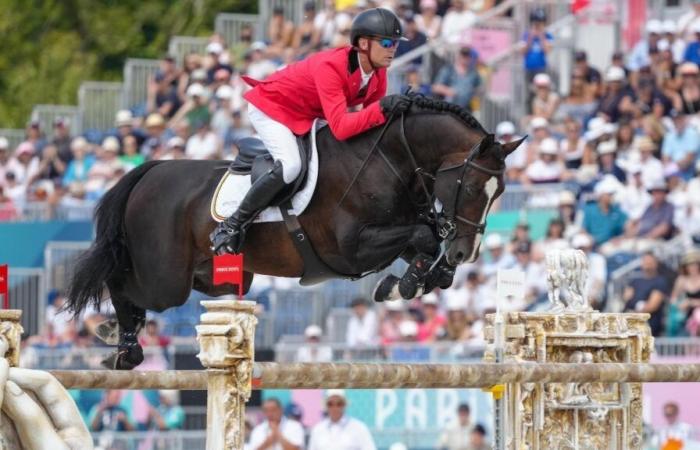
(280, 32)
(428, 22)
(657, 221)
(108, 415)
(204, 144)
(175, 149)
(131, 158)
(414, 81)
(548, 168)
(307, 38)
(640, 53)
(35, 136)
(691, 52)
(456, 21)
(597, 270)
(633, 197)
(414, 38)
(647, 293)
(687, 22)
(222, 119)
(568, 213)
(390, 327)
(617, 99)
(681, 145)
(124, 122)
(591, 75)
(8, 210)
(607, 164)
(433, 326)
(13, 190)
(51, 167)
(676, 432)
(81, 163)
(572, 146)
(553, 239)
(539, 131)
(162, 96)
(515, 162)
(458, 83)
(604, 219)
(650, 100)
(651, 167)
(457, 326)
(499, 257)
(156, 135)
(362, 327)
(536, 43)
(24, 164)
(456, 435)
(535, 277)
(196, 108)
(675, 41)
(168, 415)
(686, 291)
(546, 101)
(259, 66)
(311, 351)
(276, 432)
(688, 98)
(578, 105)
(105, 170)
(477, 438)
(61, 139)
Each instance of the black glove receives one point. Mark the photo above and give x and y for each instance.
(394, 104)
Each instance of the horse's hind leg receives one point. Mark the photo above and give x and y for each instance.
(131, 318)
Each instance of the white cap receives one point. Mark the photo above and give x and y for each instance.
(549, 146)
(214, 47)
(542, 79)
(581, 240)
(634, 167)
(4, 143)
(78, 142)
(258, 45)
(567, 198)
(669, 26)
(595, 128)
(394, 305)
(538, 122)
(663, 45)
(224, 92)
(608, 185)
(110, 144)
(456, 303)
(493, 240)
(335, 393)
(609, 128)
(615, 73)
(505, 128)
(657, 184)
(124, 117)
(176, 141)
(199, 74)
(607, 147)
(313, 331)
(430, 299)
(196, 90)
(408, 328)
(654, 26)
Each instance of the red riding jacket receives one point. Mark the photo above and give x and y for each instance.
(323, 85)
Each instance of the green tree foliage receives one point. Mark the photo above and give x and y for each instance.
(48, 47)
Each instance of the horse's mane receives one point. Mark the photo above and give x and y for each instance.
(434, 104)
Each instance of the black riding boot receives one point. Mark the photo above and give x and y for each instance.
(229, 234)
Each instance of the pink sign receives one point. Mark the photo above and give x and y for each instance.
(686, 395)
(490, 43)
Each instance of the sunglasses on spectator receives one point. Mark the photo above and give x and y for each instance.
(333, 404)
(386, 42)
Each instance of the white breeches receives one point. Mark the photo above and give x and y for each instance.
(279, 141)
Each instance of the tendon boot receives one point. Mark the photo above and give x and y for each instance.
(413, 281)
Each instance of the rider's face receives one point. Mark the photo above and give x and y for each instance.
(381, 50)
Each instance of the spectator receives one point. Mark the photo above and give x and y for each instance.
(414, 38)
(276, 432)
(174, 150)
(458, 83)
(433, 326)
(597, 270)
(259, 67)
(338, 430)
(647, 293)
(428, 22)
(539, 129)
(604, 219)
(548, 168)
(394, 315)
(591, 75)
(414, 81)
(168, 415)
(675, 43)
(4, 158)
(477, 438)
(161, 96)
(579, 104)
(222, 119)
(692, 50)
(681, 145)
(24, 164)
(457, 325)
(51, 167)
(568, 214)
(536, 44)
(618, 97)
(108, 415)
(640, 53)
(689, 21)
(535, 277)
(688, 98)
(553, 239)
(280, 32)
(572, 146)
(204, 144)
(81, 163)
(686, 291)
(546, 101)
(657, 221)
(650, 100)
(35, 136)
(61, 139)
(311, 351)
(456, 436)
(131, 158)
(499, 257)
(307, 37)
(634, 198)
(607, 164)
(155, 134)
(624, 139)
(362, 326)
(124, 122)
(457, 20)
(676, 433)
(8, 210)
(105, 169)
(151, 337)
(651, 167)
(55, 314)
(13, 190)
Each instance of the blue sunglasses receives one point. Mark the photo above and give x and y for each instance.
(386, 42)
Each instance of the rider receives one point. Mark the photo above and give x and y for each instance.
(324, 85)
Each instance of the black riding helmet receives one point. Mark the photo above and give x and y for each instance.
(378, 22)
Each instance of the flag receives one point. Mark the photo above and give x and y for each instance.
(4, 291)
(228, 268)
(578, 5)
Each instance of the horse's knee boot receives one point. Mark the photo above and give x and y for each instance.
(413, 280)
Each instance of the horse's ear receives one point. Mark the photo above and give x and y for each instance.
(509, 147)
(486, 142)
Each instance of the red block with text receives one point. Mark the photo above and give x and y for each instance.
(228, 268)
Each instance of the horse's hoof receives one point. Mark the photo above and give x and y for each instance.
(123, 360)
(386, 289)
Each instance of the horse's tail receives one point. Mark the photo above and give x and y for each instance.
(109, 252)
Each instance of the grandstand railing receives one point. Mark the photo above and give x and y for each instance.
(98, 102)
(83, 358)
(293, 10)
(136, 75)
(532, 197)
(27, 292)
(59, 260)
(46, 114)
(181, 46)
(155, 439)
(42, 211)
(229, 25)
(14, 136)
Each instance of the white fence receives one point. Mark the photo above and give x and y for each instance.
(229, 25)
(59, 260)
(98, 102)
(293, 10)
(181, 46)
(136, 74)
(47, 114)
(14, 136)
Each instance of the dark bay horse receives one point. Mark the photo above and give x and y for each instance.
(152, 228)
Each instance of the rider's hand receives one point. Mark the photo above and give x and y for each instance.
(394, 104)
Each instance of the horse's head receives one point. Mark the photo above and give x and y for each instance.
(467, 187)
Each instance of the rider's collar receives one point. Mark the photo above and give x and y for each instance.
(353, 60)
